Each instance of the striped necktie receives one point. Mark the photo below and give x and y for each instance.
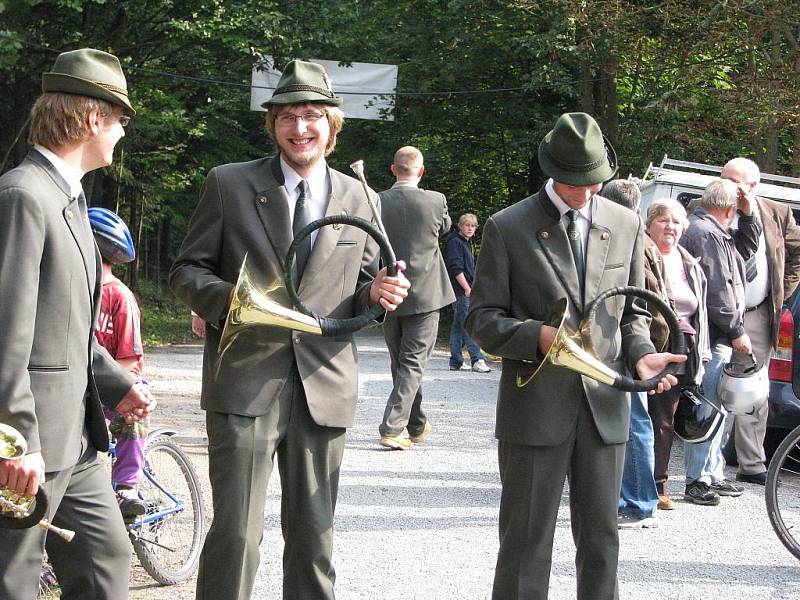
(751, 270)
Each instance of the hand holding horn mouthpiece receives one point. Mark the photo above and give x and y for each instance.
(20, 511)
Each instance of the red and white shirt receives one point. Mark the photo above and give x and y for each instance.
(118, 329)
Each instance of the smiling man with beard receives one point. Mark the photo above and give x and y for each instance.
(280, 392)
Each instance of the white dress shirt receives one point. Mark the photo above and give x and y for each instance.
(318, 183)
(584, 221)
(70, 174)
(756, 291)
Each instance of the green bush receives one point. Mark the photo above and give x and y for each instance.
(165, 320)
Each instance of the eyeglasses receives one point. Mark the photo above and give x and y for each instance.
(288, 119)
(124, 120)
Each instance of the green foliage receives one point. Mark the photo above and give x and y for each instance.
(164, 319)
(480, 83)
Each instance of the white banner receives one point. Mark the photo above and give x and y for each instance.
(367, 90)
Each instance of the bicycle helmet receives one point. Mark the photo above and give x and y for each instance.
(112, 236)
(697, 418)
(743, 388)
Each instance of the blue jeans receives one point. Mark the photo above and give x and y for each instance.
(638, 497)
(459, 337)
(704, 460)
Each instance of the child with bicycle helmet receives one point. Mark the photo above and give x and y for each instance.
(118, 331)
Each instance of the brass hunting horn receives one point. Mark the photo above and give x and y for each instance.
(25, 511)
(252, 306)
(573, 349)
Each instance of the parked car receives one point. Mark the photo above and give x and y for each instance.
(685, 181)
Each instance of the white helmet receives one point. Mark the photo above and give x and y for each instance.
(743, 388)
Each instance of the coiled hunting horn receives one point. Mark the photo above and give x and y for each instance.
(573, 349)
(251, 306)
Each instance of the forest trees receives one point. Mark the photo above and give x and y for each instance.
(480, 83)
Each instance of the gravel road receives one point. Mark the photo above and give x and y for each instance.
(422, 524)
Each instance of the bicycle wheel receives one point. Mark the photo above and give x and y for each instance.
(168, 538)
(48, 585)
(782, 493)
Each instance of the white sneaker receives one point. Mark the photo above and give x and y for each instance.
(480, 366)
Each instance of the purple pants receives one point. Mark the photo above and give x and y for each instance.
(127, 467)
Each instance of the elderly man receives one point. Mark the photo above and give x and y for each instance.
(279, 391)
(709, 239)
(772, 275)
(414, 220)
(563, 243)
(53, 373)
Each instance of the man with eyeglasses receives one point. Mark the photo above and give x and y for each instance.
(280, 392)
(53, 373)
(772, 276)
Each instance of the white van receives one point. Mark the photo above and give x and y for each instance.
(684, 181)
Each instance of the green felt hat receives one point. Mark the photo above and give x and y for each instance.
(89, 72)
(303, 82)
(576, 152)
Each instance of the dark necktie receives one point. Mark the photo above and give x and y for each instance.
(302, 217)
(576, 244)
(751, 271)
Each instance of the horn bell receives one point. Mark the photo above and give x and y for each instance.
(567, 351)
(252, 307)
(12, 443)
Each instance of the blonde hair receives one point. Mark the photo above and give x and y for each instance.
(468, 217)
(58, 118)
(334, 115)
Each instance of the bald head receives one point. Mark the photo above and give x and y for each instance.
(407, 164)
(743, 171)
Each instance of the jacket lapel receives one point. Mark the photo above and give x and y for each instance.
(327, 237)
(772, 231)
(552, 238)
(272, 206)
(596, 250)
(80, 233)
(74, 221)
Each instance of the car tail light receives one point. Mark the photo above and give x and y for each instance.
(780, 365)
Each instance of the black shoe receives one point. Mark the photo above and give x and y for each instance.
(757, 478)
(726, 488)
(698, 492)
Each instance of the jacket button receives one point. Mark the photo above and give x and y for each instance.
(545, 235)
(262, 199)
(604, 235)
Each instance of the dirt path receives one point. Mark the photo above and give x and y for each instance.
(174, 374)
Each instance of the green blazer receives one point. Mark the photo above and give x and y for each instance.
(415, 219)
(525, 267)
(53, 373)
(243, 209)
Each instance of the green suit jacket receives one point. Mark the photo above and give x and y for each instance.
(53, 373)
(525, 267)
(243, 210)
(414, 220)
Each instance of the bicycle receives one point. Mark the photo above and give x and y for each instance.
(782, 493)
(168, 538)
